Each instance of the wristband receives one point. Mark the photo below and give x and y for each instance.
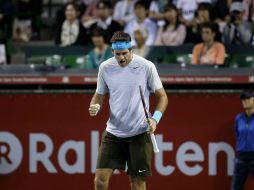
(157, 116)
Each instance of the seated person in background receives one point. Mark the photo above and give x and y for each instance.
(187, 10)
(26, 26)
(237, 31)
(60, 12)
(7, 15)
(173, 32)
(203, 14)
(209, 51)
(2, 54)
(71, 32)
(100, 52)
(141, 49)
(141, 21)
(156, 9)
(105, 20)
(90, 15)
(249, 10)
(124, 11)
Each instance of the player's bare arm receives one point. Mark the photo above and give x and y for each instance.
(162, 103)
(96, 104)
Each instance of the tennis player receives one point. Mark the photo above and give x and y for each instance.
(126, 140)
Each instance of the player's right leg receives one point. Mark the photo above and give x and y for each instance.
(111, 156)
(102, 177)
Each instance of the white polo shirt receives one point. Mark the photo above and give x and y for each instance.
(127, 117)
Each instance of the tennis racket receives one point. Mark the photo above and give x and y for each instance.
(155, 146)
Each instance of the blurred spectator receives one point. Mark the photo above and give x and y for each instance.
(249, 10)
(91, 14)
(158, 6)
(237, 31)
(188, 8)
(27, 23)
(60, 13)
(142, 22)
(209, 51)
(156, 9)
(100, 52)
(124, 11)
(71, 32)
(140, 36)
(173, 32)
(3, 59)
(203, 14)
(220, 10)
(7, 14)
(105, 20)
(82, 4)
(22, 30)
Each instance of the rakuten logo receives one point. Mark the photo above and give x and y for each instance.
(11, 153)
(189, 156)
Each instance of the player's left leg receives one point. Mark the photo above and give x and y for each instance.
(139, 160)
(138, 183)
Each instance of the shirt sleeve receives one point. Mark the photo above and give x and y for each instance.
(152, 33)
(158, 41)
(154, 82)
(180, 37)
(102, 87)
(117, 11)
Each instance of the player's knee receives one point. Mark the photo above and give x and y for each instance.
(100, 182)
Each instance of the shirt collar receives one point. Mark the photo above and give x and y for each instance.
(104, 24)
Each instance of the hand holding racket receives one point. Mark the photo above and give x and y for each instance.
(155, 146)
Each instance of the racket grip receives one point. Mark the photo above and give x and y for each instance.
(155, 146)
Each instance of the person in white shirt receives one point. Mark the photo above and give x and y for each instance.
(173, 32)
(105, 20)
(141, 21)
(188, 8)
(141, 48)
(124, 11)
(71, 32)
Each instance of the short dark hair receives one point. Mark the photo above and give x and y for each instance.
(142, 3)
(120, 36)
(210, 25)
(74, 5)
(97, 31)
(204, 6)
(105, 4)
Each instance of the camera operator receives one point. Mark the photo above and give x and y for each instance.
(237, 31)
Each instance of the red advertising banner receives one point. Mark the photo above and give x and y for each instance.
(48, 141)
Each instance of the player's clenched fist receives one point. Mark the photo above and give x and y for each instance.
(93, 109)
